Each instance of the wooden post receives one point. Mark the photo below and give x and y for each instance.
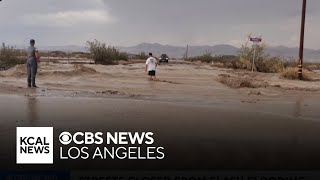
(303, 22)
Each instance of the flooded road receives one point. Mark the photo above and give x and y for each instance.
(197, 133)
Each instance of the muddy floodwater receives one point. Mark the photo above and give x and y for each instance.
(266, 123)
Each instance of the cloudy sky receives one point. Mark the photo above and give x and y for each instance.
(174, 22)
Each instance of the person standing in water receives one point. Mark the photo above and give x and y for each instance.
(151, 65)
(32, 64)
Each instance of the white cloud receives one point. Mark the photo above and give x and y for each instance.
(127, 22)
(68, 18)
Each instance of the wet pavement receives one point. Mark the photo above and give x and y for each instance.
(196, 133)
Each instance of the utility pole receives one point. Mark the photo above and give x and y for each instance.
(303, 23)
(185, 56)
(187, 52)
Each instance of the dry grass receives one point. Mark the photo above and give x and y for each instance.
(292, 74)
(10, 56)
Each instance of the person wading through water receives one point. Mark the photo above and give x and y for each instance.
(151, 65)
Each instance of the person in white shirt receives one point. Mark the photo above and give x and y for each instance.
(151, 65)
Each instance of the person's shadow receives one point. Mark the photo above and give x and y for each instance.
(32, 108)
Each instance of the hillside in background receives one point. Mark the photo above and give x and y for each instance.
(178, 51)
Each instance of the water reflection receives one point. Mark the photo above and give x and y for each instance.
(32, 105)
(298, 107)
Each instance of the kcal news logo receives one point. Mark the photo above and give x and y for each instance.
(34, 145)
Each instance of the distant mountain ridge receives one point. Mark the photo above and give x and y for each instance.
(68, 48)
(179, 51)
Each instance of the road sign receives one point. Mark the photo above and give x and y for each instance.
(256, 39)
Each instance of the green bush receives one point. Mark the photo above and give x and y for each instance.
(105, 55)
(10, 56)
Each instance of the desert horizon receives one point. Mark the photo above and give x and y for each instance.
(311, 55)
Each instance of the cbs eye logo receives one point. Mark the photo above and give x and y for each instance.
(65, 138)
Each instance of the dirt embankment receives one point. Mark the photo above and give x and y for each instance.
(242, 79)
(245, 81)
(21, 71)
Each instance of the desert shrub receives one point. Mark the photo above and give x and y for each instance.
(10, 56)
(291, 63)
(206, 57)
(103, 54)
(142, 55)
(270, 65)
(263, 61)
(311, 66)
(209, 58)
(246, 54)
(292, 74)
(225, 59)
